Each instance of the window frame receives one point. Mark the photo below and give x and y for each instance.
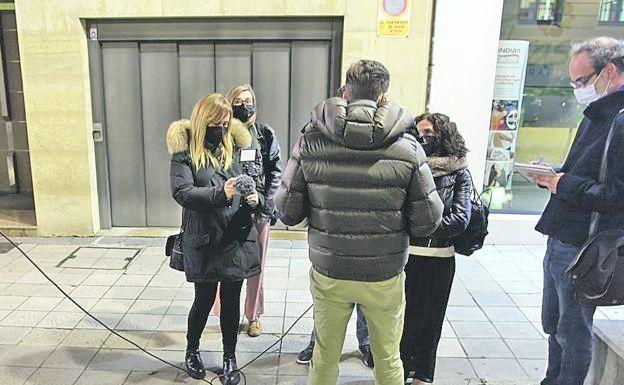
(555, 20)
(619, 4)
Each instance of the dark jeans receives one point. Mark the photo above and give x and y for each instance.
(361, 328)
(428, 284)
(568, 324)
(205, 294)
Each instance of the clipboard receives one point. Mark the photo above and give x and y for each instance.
(537, 169)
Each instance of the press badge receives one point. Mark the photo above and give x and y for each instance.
(247, 154)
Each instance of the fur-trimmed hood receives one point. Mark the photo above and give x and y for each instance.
(441, 166)
(178, 135)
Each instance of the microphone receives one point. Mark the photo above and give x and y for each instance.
(244, 185)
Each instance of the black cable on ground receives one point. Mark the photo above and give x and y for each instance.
(211, 382)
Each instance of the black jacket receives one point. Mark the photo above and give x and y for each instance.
(267, 169)
(219, 238)
(568, 213)
(454, 185)
(364, 187)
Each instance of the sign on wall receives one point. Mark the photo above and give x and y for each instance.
(394, 17)
(504, 120)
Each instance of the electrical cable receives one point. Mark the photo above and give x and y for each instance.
(211, 382)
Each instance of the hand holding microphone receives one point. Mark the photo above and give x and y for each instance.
(253, 200)
(246, 187)
(229, 189)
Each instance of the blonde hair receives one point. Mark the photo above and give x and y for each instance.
(234, 92)
(210, 110)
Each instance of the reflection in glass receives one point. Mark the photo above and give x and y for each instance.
(549, 112)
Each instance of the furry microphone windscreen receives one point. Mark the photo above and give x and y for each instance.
(244, 185)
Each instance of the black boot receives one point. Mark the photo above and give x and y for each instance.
(231, 376)
(195, 365)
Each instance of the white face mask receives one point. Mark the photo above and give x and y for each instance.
(588, 94)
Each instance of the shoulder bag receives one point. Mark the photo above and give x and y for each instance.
(597, 273)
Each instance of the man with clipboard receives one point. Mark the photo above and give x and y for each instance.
(597, 74)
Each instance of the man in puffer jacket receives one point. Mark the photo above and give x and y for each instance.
(365, 188)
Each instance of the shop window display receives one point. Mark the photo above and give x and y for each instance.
(541, 121)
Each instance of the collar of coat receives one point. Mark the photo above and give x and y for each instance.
(360, 124)
(604, 109)
(446, 165)
(178, 135)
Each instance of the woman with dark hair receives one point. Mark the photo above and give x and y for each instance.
(431, 266)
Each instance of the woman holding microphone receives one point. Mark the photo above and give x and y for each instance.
(219, 238)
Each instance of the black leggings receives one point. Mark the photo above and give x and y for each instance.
(428, 282)
(205, 293)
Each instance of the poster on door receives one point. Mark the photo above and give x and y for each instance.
(505, 120)
(393, 18)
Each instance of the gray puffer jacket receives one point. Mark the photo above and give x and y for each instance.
(364, 186)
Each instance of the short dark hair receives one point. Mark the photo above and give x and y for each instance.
(450, 140)
(367, 79)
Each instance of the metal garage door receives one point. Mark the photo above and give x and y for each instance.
(145, 74)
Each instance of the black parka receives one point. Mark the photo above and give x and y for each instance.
(364, 186)
(219, 237)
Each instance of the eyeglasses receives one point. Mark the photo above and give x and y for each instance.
(582, 81)
(248, 101)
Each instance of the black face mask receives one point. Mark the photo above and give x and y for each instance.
(214, 136)
(243, 112)
(429, 143)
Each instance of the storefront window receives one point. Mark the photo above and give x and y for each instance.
(534, 112)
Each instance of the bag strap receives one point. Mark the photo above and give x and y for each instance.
(602, 176)
(476, 197)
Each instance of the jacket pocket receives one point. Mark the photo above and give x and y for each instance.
(247, 259)
(251, 235)
(203, 231)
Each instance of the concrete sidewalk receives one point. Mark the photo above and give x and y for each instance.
(491, 336)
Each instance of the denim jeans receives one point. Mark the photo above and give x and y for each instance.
(361, 328)
(568, 323)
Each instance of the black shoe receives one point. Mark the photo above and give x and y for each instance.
(411, 378)
(545, 381)
(305, 356)
(367, 356)
(231, 376)
(195, 365)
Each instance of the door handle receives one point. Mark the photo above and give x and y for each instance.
(98, 132)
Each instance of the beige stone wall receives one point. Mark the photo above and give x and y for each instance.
(53, 51)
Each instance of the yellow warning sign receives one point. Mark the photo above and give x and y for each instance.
(394, 17)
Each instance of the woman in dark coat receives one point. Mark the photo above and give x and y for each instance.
(219, 238)
(431, 266)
